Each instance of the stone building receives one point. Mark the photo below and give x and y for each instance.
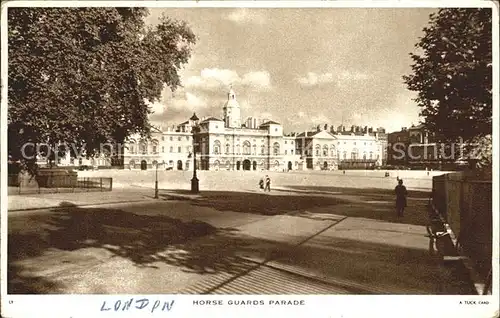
(222, 144)
(228, 143)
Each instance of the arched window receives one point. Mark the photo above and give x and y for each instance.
(154, 146)
(276, 149)
(263, 150)
(354, 154)
(364, 155)
(325, 151)
(371, 155)
(228, 149)
(237, 149)
(143, 147)
(131, 147)
(246, 147)
(216, 147)
(332, 151)
(254, 152)
(318, 149)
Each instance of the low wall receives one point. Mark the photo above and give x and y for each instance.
(465, 202)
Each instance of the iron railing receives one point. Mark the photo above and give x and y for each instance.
(57, 184)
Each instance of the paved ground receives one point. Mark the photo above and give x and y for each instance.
(248, 180)
(301, 239)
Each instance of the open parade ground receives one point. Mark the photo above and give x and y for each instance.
(314, 233)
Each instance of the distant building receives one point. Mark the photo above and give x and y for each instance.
(223, 144)
(227, 143)
(416, 148)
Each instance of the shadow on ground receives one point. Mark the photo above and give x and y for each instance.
(256, 202)
(368, 203)
(197, 247)
(138, 238)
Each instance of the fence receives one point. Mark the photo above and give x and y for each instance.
(56, 184)
(465, 202)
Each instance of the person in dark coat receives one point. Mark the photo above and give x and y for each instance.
(261, 184)
(268, 184)
(401, 194)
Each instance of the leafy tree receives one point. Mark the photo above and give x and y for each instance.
(452, 73)
(84, 76)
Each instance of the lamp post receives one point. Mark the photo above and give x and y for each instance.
(195, 183)
(156, 181)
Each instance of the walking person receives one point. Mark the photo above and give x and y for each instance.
(401, 194)
(261, 184)
(268, 184)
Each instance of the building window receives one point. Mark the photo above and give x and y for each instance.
(364, 156)
(72, 161)
(332, 151)
(154, 149)
(276, 148)
(291, 152)
(371, 155)
(254, 149)
(216, 126)
(354, 143)
(179, 138)
(354, 155)
(345, 155)
(285, 142)
(171, 138)
(188, 149)
(286, 152)
(325, 151)
(246, 148)
(262, 150)
(162, 149)
(237, 149)
(275, 129)
(291, 142)
(143, 148)
(318, 149)
(179, 149)
(171, 149)
(162, 138)
(132, 148)
(227, 149)
(216, 147)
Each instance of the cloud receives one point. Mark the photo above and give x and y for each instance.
(338, 77)
(313, 79)
(308, 121)
(244, 15)
(156, 107)
(261, 79)
(214, 78)
(188, 100)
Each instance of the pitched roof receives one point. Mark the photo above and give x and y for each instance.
(270, 122)
(211, 119)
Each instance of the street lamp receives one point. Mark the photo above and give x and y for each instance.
(195, 183)
(156, 181)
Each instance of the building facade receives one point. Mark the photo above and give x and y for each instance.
(415, 148)
(255, 144)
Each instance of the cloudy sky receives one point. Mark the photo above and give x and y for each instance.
(300, 67)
